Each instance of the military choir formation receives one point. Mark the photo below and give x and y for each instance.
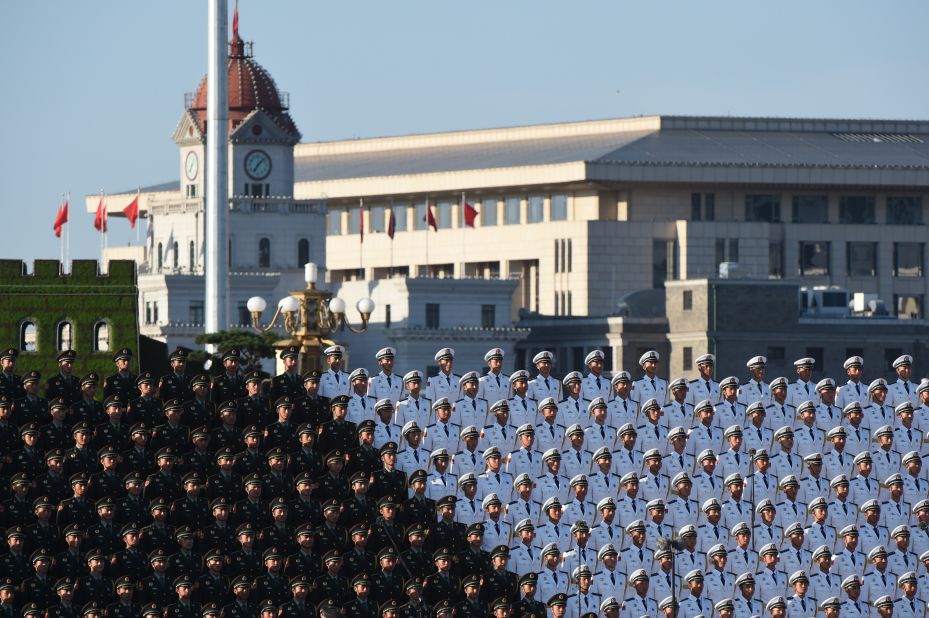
(462, 495)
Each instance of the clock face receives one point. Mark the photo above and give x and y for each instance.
(191, 165)
(258, 164)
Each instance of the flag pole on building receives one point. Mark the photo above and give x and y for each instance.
(68, 232)
(391, 230)
(361, 234)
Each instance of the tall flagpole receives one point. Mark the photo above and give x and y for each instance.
(361, 232)
(390, 220)
(464, 249)
(427, 235)
(68, 233)
(61, 237)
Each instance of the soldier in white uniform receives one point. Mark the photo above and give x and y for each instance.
(652, 482)
(552, 482)
(761, 484)
(639, 604)
(334, 382)
(677, 412)
(704, 387)
(799, 605)
(857, 434)
(683, 509)
(735, 508)
(757, 435)
(470, 409)
(496, 528)
(766, 529)
(689, 559)
(581, 552)
(878, 579)
(544, 385)
(360, 404)
(623, 407)
(500, 433)
(903, 389)
(813, 484)
(469, 458)
(522, 407)
(494, 480)
(885, 459)
(854, 605)
(636, 555)
(630, 505)
(785, 461)
(921, 412)
(445, 383)
(386, 384)
(906, 437)
(655, 525)
(523, 505)
(650, 386)
(385, 430)
(552, 578)
(712, 532)
(693, 602)
(574, 407)
(734, 459)
(837, 461)
(551, 529)
(756, 389)
(575, 459)
(914, 483)
(871, 533)
(524, 554)
(770, 581)
(662, 580)
(610, 579)
(790, 509)
(603, 482)
(549, 433)
(718, 582)
(819, 532)
(707, 483)
(899, 557)
(842, 511)
(678, 459)
(609, 529)
(908, 605)
(728, 409)
(803, 388)
(745, 604)
(469, 510)
(895, 511)
(880, 411)
(415, 406)
(579, 508)
(652, 434)
(742, 558)
(441, 482)
(442, 433)
(524, 459)
(595, 383)
(412, 456)
(599, 433)
(848, 560)
(853, 389)
(627, 455)
(780, 413)
(494, 385)
(808, 437)
(828, 415)
(794, 556)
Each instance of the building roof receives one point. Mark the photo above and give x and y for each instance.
(613, 148)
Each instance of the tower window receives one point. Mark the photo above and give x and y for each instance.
(264, 253)
(303, 252)
(65, 337)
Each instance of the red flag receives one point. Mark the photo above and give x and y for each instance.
(132, 211)
(100, 217)
(61, 218)
(235, 21)
(391, 225)
(361, 223)
(430, 219)
(470, 214)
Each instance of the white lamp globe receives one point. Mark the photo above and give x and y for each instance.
(365, 306)
(337, 305)
(289, 304)
(256, 304)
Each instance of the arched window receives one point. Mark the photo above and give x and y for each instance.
(264, 253)
(65, 337)
(303, 252)
(101, 336)
(160, 256)
(192, 256)
(28, 336)
(174, 251)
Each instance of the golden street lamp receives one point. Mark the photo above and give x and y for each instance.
(310, 316)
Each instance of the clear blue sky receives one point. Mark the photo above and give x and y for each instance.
(95, 89)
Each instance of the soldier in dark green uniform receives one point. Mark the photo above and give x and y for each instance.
(199, 411)
(146, 408)
(388, 481)
(306, 458)
(252, 409)
(288, 382)
(57, 433)
(387, 583)
(415, 606)
(306, 559)
(252, 509)
(471, 605)
(299, 606)
(78, 508)
(419, 508)
(80, 457)
(443, 584)
(246, 560)
(363, 457)
(40, 588)
(282, 432)
(157, 587)
(447, 532)
(123, 382)
(130, 561)
(230, 385)
(139, 457)
(28, 458)
(499, 582)
(86, 407)
(338, 433)
(113, 431)
(363, 605)
(240, 607)
(213, 586)
(331, 584)
(473, 560)
(172, 433)
(192, 509)
(312, 407)
(358, 559)
(358, 509)
(158, 535)
(11, 384)
(29, 408)
(330, 536)
(185, 607)
(386, 531)
(166, 483)
(176, 384)
(125, 606)
(333, 485)
(415, 559)
(65, 384)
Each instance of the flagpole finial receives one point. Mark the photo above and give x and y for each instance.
(235, 21)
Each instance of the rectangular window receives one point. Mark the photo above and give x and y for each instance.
(776, 354)
(377, 219)
(908, 259)
(536, 204)
(733, 249)
(155, 313)
(659, 263)
(557, 256)
(776, 259)
(444, 215)
(432, 315)
(862, 259)
(571, 312)
(488, 316)
(386, 316)
(489, 211)
(688, 303)
(354, 220)
(148, 312)
(720, 251)
(763, 208)
(245, 316)
(419, 223)
(856, 209)
(399, 211)
(569, 251)
(696, 207)
(903, 210)
(334, 222)
(816, 354)
(890, 355)
(511, 209)
(814, 259)
(909, 307)
(709, 206)
(559, 207)
(195, 313)
(688, 358)
(810, 209)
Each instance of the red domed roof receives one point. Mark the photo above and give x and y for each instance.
(250, 87)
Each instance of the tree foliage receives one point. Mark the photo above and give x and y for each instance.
(252, 346)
